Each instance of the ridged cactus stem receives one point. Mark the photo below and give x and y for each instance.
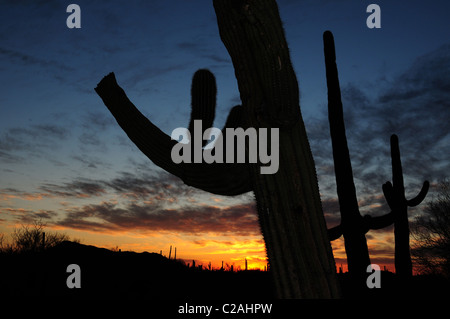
(288, 201)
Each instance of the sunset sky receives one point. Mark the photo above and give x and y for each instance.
(65, 161)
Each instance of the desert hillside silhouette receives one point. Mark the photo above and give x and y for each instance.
(117, 275)
(107, 274)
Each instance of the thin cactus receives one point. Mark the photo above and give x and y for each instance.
(288, 202)
(352, 223)
(395, 196)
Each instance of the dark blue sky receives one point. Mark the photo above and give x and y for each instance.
(58, 140)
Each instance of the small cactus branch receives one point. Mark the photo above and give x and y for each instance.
(379, 222)
(388, 191)
(334, 232)
(156, 145)
(203, 103)
(420, 197)
(369, 223)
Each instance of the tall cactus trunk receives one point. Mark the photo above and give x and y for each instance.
(403, 264)
(288, 201)
(352, 223)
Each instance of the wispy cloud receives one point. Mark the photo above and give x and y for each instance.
(110, 217)
(18, 143)
(415, 105)
(146, 203)
(25, 59)
(28, 216)
(80, 188)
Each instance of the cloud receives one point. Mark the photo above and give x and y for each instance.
(148, 202)
(415, 106)
(158, 186)
(7, 194)
(189, 46)
(98, 121)
(204, 52)
(29, 60)
(238, 220)
(217, 58)
(155, 186)
(36, 140)
(80, 188)
(28, 216)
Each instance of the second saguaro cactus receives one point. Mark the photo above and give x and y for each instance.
(288, 202)
(394, 194)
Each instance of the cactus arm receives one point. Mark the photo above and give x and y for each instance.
(378, 222)
(203, 100)
(156, 145)
(369, 223)
(334, 232)
(139, 129)
(420, 197)
(388, 191)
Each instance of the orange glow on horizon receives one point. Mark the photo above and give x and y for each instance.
(213, 248)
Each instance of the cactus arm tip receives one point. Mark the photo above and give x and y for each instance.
(421, 196)
(334, 232)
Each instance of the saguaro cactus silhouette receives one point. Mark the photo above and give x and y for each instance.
(395, 196)
(352, 223)
(288, 202)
